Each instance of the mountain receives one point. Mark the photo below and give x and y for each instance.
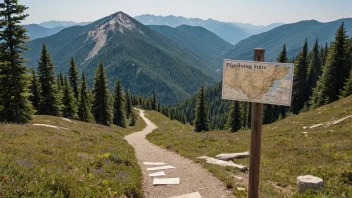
(53, 24)
(198, 40)
(293, 35)
(142, 58)
(49, 28)
(35, 31)
(257, 29)
(227, 31)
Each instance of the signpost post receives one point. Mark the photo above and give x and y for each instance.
(256, 137)
(260, 83)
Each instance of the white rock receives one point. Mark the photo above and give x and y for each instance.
(230, 156)
(211, 160)
(309, 181)
(241, 189)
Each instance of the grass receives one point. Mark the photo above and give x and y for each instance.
(286, 151)
(88, 160)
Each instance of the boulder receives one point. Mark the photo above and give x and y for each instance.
(230, 156)
(309, 181)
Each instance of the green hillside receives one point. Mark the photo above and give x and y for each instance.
(77, 160)
(200, 41)
(142, 58)
(289, 149)
(293, 35)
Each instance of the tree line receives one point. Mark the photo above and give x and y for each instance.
(321, 76)
(39, 91)
(70, 96)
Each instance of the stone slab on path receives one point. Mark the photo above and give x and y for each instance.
(160, 168)
(154, 163)
(193, 177)
(166, 181)
(191, 195)
(157, 174)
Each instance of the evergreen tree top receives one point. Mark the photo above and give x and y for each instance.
(282, 58)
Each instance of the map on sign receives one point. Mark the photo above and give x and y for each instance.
(261, 82)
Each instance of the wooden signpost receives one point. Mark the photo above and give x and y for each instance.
(256, 139)
(260, 83)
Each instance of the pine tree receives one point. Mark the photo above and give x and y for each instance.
(133, 119)
(119, 106)
(154, 101)
(158, 107)
(61, 80)
(129, 108)
(314, 69)
(69, 108)
(234, 121)
(73, 77)
(268, 114)
(335, 72)
(101, 97)
(347, 89)
(49, 96)
(58, 83)
(299, 88)
(323, 55)
(282, 58)
(15, 106)
(84, 110)
(201, 115)
(34, 98)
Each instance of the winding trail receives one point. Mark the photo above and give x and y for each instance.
(193, 178)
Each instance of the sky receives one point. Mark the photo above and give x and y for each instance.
(258, 12)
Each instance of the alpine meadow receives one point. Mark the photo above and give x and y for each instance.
(176, 99)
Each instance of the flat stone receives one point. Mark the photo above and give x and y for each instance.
(160, 168)
(230, 156)
(309, 181)
(166, 181)
(191, 195)
(211, 160)
(154, 163)
(158, 174)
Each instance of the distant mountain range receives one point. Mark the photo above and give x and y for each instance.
(230, 32)
(54, 24)
(293, 35)
(49, 28)
(257, 29)
(227, 31)
(144, 59)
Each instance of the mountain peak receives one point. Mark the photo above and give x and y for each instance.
(118, 22)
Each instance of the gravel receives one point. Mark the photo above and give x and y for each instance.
(193, 178)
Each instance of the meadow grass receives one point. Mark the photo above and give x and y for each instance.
(286, 152)
(87, 160)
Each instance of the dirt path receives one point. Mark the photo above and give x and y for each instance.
(193, 178)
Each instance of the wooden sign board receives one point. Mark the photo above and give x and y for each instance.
(258, 82)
